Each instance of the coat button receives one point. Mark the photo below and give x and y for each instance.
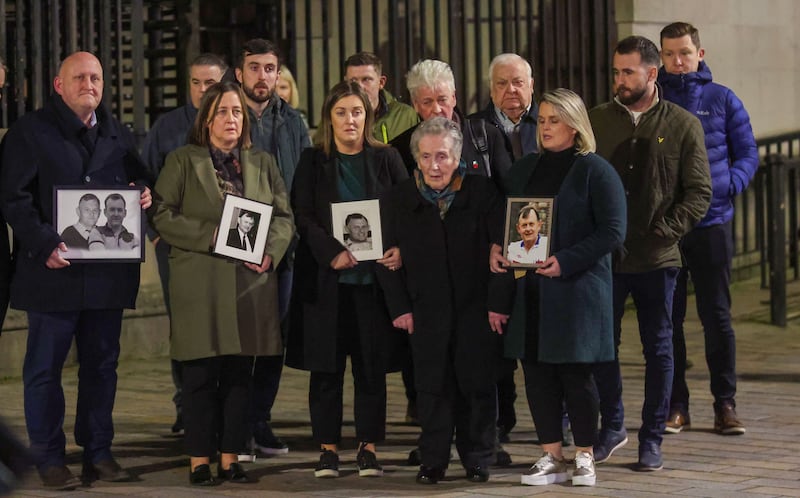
(87, 178)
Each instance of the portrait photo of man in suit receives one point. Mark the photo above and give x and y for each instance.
(244, 235)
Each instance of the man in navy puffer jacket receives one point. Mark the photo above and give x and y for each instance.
(708, 248)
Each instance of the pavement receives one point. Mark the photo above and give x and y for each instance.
(763, 462)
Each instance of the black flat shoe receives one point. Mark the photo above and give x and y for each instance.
(201, 476)
(429, 475)
(235, 474)
(477, 474)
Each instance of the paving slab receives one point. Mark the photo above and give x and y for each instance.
(763, 462)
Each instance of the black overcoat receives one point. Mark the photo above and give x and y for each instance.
(314, 312)
(445, 281)
(43, 150)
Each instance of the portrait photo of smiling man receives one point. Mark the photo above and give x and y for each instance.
(532, 246)
(359, 238)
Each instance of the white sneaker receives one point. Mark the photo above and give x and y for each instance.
(584, 474)
(249, 455)
(547, 470)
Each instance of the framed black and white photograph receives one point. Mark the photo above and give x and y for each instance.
(527, 230)
(357, 225)
(243, 229)
(100, 224)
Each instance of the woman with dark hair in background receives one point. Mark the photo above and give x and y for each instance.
(337, 306)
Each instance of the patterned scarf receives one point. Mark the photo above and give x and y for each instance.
(228, 170)
(444, 197)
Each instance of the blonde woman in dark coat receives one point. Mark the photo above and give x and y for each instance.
(569, 310)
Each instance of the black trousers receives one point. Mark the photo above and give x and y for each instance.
(548, 387)
(471, 413)
(708, 252)
(215, 398)
(326, 389)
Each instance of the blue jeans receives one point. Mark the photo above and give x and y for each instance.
(708, 252)
(50, 335)
(652, 294)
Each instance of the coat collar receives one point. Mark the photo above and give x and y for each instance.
(252, 177)
(203, 167)
(71, 127)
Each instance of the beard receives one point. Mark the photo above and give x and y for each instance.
(632, 96)
(250, 92)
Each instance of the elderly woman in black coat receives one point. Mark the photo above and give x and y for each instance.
(444, 223)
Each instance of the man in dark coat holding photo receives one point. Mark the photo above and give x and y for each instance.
(72, 140)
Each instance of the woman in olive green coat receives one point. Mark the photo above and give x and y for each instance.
(224, 312)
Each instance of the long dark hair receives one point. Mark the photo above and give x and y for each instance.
(208, 108)
(338, 92)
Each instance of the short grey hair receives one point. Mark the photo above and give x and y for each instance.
(438, 126)
(509, 58)
(429, 73)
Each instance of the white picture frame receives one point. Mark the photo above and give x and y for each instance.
(355, 212)
(98, 242)
(255, 218)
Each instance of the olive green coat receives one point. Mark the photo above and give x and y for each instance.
(219, 307)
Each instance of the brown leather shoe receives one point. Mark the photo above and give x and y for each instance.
(59, 477)
(726, 422)
(677, 422)
(107, 470)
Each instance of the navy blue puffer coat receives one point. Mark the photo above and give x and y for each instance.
(732, 151)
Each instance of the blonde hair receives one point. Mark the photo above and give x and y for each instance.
(287, 76)
(572, 111)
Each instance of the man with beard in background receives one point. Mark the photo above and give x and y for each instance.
(278, 129)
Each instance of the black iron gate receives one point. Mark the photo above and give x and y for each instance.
(144, 44)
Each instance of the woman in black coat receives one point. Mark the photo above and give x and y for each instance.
(444, 223)
(337, 307)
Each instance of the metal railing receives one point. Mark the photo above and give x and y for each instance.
(775, 190)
